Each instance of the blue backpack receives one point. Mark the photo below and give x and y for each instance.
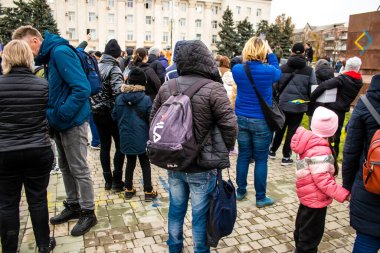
(90, 68)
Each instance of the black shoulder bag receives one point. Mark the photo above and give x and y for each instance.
(274, 117)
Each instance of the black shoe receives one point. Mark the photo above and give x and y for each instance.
(50, 248)
(149, 196)
(272, 155)
(118, 187)
(286, 161)
(129, 193)
(86, 221)
(107, 186)
(71, 211)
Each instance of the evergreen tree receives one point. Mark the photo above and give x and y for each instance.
(42, 19)
(245, 31)
(229, 39)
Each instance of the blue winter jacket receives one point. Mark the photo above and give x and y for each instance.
(69, 89)
(132, 110)
(264, 75)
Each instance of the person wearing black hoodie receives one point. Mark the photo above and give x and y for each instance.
(102, 105)
(155, 64)
(294, 93)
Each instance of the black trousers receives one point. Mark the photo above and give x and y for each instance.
(30, 168)
(108, 130)
(292, 122)
(310, 226)
(146, 170)
(341, 116)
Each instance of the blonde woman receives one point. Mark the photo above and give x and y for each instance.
(26, 156)
(254, 135)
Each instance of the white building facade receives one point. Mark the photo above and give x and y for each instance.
(147, 23)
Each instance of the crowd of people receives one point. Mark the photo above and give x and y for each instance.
(135, 86)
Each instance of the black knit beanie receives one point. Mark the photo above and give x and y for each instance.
(137, 76)
(113, 48)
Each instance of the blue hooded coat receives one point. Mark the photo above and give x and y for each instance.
(69, 89)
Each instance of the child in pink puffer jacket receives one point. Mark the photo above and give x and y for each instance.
(316, 186)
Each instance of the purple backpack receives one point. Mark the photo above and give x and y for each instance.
(172, 143)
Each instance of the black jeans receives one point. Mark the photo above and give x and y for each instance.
(310, 225)
(145, 167)
(30, 168)
(292, 122)
(108, 130)
(341, 116)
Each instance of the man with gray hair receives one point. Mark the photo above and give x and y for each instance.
(348, 86)
(155, 64)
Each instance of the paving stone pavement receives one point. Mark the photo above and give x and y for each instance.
(135, 226)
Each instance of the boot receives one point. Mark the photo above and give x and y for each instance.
(71, 211)
(48, 249)
(117, 184)
(108, 180)
(86, 221)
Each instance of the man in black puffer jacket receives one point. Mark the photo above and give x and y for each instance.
(294, 86)
(155, 64)
(349, 85)
(364, 206)
(211, 110)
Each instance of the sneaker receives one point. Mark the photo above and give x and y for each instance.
(107, 186)
(86, 221)
(129, 193)
(97, 147)
(265, 202)
(52, 244)
(118, 187)
(241, 196)
(149, 196)
(71, 211)
(55, 170)
(272, 155)
(286, 161)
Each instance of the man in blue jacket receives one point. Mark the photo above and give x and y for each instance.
(68, 111)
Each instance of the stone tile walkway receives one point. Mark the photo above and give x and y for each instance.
(135, 226)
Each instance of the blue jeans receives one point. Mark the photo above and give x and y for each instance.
(366, 244)
(94, 132)
(254, 138)
(199, 185)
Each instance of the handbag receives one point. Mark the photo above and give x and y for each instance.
(223, 211)
(274, 117)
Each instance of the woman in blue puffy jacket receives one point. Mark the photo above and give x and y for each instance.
(254, 135)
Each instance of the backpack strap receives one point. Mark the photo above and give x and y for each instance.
(370, 108)
(190, 92)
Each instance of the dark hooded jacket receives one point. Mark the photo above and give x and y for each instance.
(104, 101)
(69, 89)
(299, 87)
(212, 111)
(348, 84)
(364, 206)
(172, 69)
(132, 110)
(323, 73)
(23, 103)
(156, 65)
(153, 84)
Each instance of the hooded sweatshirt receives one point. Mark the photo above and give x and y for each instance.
(315, 183)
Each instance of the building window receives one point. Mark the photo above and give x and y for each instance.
(214, 24)
(148, 20)
(92, 2)
(198, 36)
(183, 36)
(148, 36)
(214, 38)
(93, 34)
(183, 7)
(199, 8)
(71, 15)
(91, 16)
(111, 18)
(72, 33)
(165, 37)
(238, 9)
(130, 35)
(182, 22)
(111, 34)
(249, 11)
(165, 21)
(148, 4)
(130, 19)
(258, 12)
(198, 23)
(130, 4)
(111, 3)
(165, 6)
(215, 10)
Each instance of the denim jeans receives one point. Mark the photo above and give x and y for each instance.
(254, 138)
(199, 186)
(29, 168)
(95, 141)
(366, 244)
